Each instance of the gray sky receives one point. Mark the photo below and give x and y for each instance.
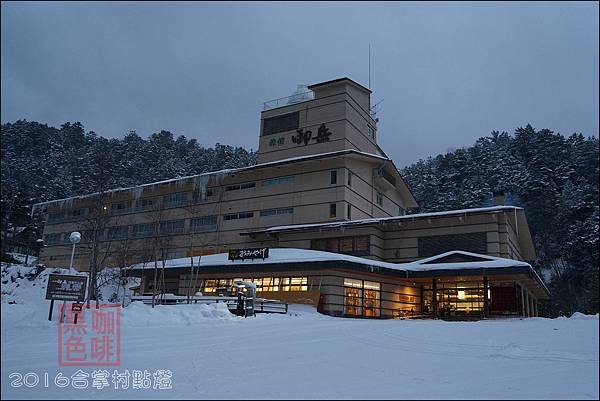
(448, 73)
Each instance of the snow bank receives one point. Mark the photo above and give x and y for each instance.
(138, 314)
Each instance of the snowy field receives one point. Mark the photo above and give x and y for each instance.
(213, 354)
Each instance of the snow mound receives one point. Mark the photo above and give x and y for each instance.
(139, 314)
(581, 316)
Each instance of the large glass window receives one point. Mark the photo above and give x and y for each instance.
(206, 223)
(283, 123)
(238, 216)
(175, 200)
(278, 180)
(362, 298)
(172, 226)
(358, 246)
(144, 230)
(263, 284)
(276, 212)
(145, 204)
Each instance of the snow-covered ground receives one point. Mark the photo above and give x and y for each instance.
(213, 354)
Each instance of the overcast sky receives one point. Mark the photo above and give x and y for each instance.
(448, 73)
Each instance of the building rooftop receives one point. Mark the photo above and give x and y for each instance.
(137, 188)
(450, 261)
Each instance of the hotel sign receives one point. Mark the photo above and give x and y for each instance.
(303, 137)
(66, 288)
(251, 253)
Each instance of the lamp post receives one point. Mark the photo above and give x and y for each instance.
(74, 238)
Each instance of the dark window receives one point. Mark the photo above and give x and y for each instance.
(357, 246)
(379, 198)
(144, 204)
(245, 185)
(349, 211)
(175, 200)
(121, 207)
(172, 226)
(334, 176)
(117, 232)
(332, 210)
(434, 245)
(144, 230)
(237, 216)
(349, 178)
(286, 122)
(54, 239)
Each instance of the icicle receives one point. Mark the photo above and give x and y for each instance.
(136, 192)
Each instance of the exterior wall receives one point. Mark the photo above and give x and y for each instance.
(341, 107)
(401, 238)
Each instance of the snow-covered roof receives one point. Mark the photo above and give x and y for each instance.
(383, 219)
(219, 173)
(294, 255)
(484, 262)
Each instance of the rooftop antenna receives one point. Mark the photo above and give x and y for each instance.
(369, 66)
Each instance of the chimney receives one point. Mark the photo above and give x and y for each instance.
(498, 198)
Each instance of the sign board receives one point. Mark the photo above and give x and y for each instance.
(63, 287)
(251, 253)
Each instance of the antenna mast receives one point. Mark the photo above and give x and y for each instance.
(369, 66)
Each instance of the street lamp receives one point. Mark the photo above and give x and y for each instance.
(75, 237)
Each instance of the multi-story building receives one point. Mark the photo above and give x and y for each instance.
(321, 183)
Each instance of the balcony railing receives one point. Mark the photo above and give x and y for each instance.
(285, 101)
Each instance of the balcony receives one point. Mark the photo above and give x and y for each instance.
(384, 179)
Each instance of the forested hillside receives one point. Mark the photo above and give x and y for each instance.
(555, 178)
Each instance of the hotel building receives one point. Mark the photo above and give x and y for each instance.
(331, 206)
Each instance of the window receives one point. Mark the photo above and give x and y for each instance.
(401, 211)
(174, 200)
(379, 198)
(275, 212)
(263, 284)
(175, 255)
(207, 223)
(237, 216)
(79, 213)
(349, 211)
(332, 210)
(144, 230)
(54, 239)
(285, 122)
(144, 204)
(371, 132)
(349, 178)
(334, 177)
(199, 196)
(362, 298)
(236, 187)
(56, 217)
(357, 246)
(434, 245)
(172, 226)
(278, 180)
(121, 207)
(117, 232)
